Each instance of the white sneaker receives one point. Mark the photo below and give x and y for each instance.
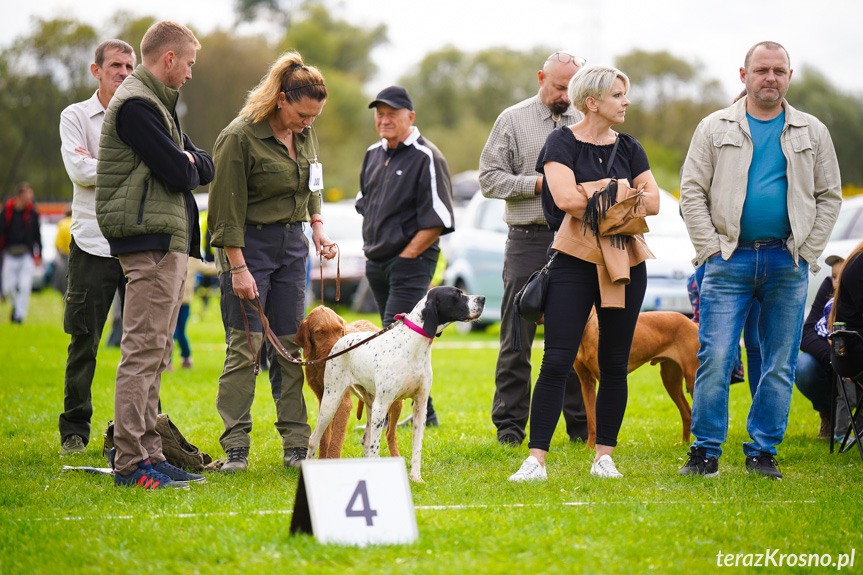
(604, 467)
(530, 470)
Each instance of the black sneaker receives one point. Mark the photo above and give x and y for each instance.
(294, 456)
(177, 474)
(72, 444)
(763, 464)
(146, 477)
(509, 440)
(699, 464)
(238, 460)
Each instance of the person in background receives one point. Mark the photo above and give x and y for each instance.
(62, 244)
(267, 188)
(848, 309)
(146, 173)
(814, 375)
(405, 199)
(580, 279)
(21, 245)
(196, 266)
(759, 208)
(507, 168)
(94, 274)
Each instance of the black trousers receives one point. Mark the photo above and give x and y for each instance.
(397, 285)
(526, 251)
(573, 289)
(93, 281)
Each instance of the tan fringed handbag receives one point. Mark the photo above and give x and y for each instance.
(626, 217)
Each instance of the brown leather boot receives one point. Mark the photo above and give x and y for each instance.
(824, 432)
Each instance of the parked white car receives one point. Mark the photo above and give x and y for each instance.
(475, 257)
(344, 227)
(847, 233)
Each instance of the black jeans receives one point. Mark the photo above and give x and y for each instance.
(526, 251)
(573, 289)
(93, 280)
(398, 284)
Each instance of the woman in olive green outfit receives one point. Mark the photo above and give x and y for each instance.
(260, 200)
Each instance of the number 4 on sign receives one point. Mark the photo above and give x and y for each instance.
(362, 494)
(333, 493)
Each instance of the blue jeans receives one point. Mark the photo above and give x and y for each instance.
(753, 347)
(180, 332)
(750, 338)
(815, 381)
(766, 272)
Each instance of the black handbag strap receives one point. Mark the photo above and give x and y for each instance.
(548, 264)
(611, 158)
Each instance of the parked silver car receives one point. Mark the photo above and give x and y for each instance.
(847, 233)
(475, 256)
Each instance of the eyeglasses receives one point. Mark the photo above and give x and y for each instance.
(565, 57)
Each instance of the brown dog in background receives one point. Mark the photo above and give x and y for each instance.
(317, 334)
(667, 338)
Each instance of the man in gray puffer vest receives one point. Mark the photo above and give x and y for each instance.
(145, 208)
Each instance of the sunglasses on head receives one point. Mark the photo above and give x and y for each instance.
(565, 57)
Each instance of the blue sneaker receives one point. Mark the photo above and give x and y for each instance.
(177, 474)
(147, 478)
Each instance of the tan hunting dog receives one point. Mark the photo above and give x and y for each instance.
(317, 334)
(667, 338)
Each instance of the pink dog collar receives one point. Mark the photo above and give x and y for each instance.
(413, 326)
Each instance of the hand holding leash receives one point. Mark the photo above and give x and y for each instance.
(243, 283)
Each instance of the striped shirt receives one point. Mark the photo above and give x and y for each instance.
(507, 166)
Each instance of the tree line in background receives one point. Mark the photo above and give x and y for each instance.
(457, 95)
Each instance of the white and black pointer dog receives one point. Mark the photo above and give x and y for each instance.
(396, 365)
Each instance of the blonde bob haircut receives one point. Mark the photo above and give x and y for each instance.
(593, 82)
(286, 75)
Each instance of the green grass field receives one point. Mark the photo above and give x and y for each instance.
(650, 521)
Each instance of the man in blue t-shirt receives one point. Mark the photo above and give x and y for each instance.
(760, 192)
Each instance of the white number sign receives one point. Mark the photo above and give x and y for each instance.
(355, 501)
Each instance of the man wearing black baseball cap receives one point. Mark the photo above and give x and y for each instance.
(394, 97)
(405, 199)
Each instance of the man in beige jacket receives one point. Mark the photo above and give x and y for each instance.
(760, 192)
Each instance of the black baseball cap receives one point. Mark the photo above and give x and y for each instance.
(394, 96)
(833, 259)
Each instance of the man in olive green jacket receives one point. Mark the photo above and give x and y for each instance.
(144, 205)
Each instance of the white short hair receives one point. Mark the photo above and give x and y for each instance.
(595, 82)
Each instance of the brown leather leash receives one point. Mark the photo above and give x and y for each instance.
(280, 349)
(338, 271)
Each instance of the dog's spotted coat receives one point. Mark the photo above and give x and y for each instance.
(397, 365)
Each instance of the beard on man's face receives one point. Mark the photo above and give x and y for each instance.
(559, 107)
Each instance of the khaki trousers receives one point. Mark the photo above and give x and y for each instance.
(153, 295)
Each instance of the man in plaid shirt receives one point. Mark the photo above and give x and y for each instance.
(508, 172)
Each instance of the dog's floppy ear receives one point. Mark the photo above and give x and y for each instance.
(430, 316)
(302, 338)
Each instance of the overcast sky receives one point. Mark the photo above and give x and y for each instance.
(716, 34)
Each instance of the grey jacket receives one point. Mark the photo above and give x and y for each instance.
(716, 171)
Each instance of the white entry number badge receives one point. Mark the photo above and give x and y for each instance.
(316, 176)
